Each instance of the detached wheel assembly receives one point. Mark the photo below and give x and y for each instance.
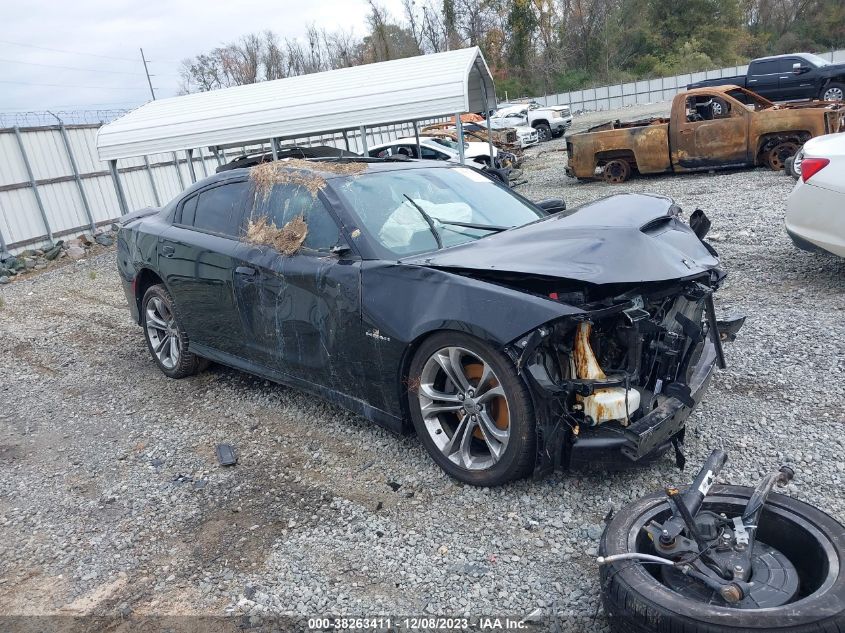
(723, 558)
(616, 171)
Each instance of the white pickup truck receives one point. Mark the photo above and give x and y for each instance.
(549, 121)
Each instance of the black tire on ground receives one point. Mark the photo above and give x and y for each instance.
(188, 363)
(544, 132)
(637, 602)
(834, 91)
(519, 455)
(788, 166)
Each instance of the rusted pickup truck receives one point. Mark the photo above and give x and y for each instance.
(708, 128)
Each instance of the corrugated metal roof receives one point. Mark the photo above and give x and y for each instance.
(374, 94)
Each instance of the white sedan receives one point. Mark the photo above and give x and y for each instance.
(434, 148)
(815, 212)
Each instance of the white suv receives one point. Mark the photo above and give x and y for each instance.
(549, 121)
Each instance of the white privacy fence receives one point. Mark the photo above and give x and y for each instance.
(647, 91)
(53, 184)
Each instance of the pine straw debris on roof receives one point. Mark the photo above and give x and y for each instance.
(287, 240)
(296, 171)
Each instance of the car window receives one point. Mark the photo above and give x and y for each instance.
(189, 208)
(433, 154)
(765, 68)
(785, 65)
(288, 201)
(221, 209)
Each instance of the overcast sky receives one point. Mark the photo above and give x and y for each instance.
(48, 35)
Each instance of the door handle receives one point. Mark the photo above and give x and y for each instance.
(247, 271)
(168, 251)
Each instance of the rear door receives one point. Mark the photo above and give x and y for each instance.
(198, 255)
(764, 78)
(301, 309)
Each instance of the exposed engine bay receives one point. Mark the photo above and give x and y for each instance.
(611, 376)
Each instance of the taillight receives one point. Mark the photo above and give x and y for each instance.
(811, 166)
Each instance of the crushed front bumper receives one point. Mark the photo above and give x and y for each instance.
(651, 435)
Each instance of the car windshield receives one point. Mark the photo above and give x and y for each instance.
(815, 60)
(411, 211)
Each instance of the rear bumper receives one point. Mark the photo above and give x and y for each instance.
(648, 436)
(814, 219)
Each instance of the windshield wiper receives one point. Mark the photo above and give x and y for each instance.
(472, 225)
(428, 220)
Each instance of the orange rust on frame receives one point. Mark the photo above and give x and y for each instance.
(738, 137)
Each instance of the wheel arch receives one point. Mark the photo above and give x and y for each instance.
(616, 154)
(767, 141)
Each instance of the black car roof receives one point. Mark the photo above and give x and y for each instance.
(372, 166)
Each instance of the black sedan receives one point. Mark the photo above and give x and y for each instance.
(510, 336)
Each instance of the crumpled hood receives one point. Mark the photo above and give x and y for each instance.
(624, 238)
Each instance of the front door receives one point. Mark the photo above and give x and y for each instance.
(299, 306)
(713, 132)
(795, 85)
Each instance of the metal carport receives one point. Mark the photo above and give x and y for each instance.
(401, 90)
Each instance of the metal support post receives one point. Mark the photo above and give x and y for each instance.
(152, 180)
(34, 185)
(118, 188)
(364, 139)
(417, 138)
(459, 126)
(190, 154)
(76, 175)
(178, 171)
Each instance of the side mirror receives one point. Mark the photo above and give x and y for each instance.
(552, 205)
(798, 68)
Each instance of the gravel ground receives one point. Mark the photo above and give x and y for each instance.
(112, 502)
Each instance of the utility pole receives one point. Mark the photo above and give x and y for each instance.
(146, 70)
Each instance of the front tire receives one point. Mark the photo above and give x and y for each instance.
(637, 600)
(471, 410)
(544, 132)
(166, 340)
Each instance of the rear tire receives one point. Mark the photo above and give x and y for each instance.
(509, 416)
(638, 602)
(166, 340)
(616, 171)
(776, 157)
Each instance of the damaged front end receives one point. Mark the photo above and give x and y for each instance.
(615, 377)
(620, 379)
